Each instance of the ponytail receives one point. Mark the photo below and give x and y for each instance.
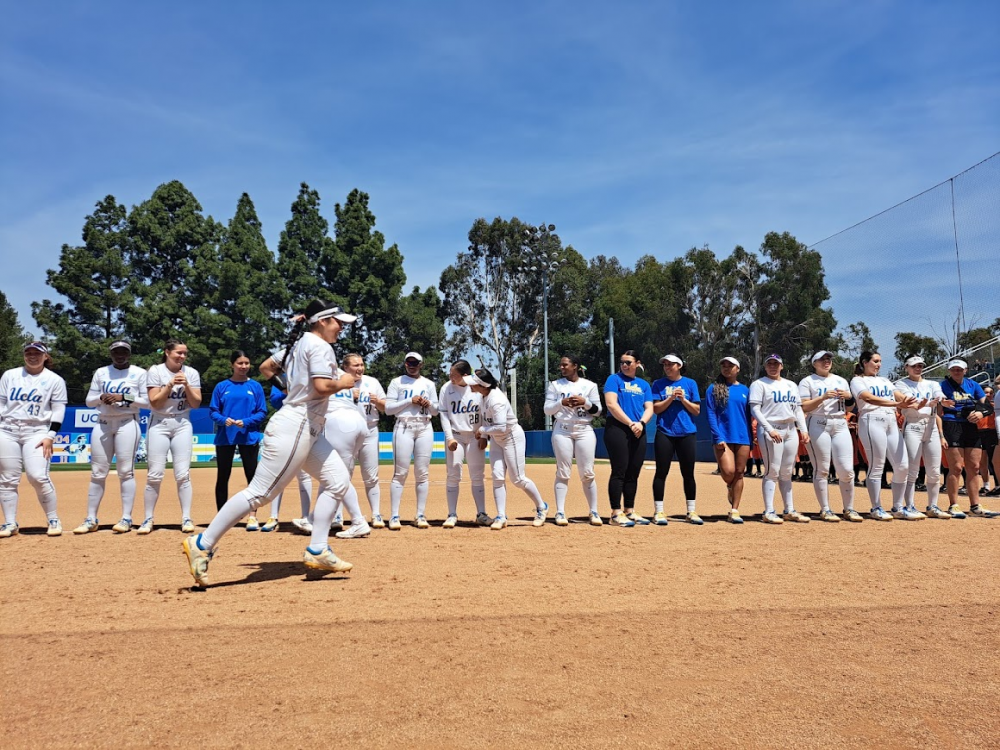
(864, 359)
(721, 392)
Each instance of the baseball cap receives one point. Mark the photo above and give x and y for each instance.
(36, 345)
(916, 359)
(775, 357)
(672, 358)
(731, 360)
(413, 355)
(819, 355)
(120, 344)
(958, 363)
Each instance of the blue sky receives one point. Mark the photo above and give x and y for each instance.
(636, 128)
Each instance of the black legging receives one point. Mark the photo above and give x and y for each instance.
(627, 453)
(665, 448)
(224, 455)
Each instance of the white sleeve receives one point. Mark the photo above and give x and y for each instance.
(857, 386)
(142, 395)
(758, 414)
(594, 397)
(392, 405)
(432, 396)
(800, 418)
(94, 394)
(194, 378)
(757, 393)
(320, 362)
(445, 416)
(4, 388)
(553, 403)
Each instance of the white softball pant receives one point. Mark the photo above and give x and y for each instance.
(19, 450)
(367, 459)
(779, 462)
(830, 438)
(119, 438)
(293, 440)
(176, 435)
(881, 438)
(468, 450)
(305, 497)
(579, 440)
(507, 459)
(923, 441)
(411, 437)
(346, 431)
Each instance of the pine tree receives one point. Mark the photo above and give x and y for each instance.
(12, 336)
(303, 249)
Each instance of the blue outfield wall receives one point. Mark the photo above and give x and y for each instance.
(72, 444)
(539, 442)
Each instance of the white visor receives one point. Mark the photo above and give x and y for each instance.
(915, 360)
(958, 363)
(473, 380)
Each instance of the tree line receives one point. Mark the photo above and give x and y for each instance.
(163, 269)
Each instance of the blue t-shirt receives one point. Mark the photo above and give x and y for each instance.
(633, 393)
(731, 424)
(675, 420)
(969, 392)
(243, 401)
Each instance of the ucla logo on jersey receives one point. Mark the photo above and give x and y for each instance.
(882, 391)
(784, 398)
(119, 386)
(467, 407)
(28, 397)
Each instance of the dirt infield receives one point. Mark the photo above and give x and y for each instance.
(813, 635)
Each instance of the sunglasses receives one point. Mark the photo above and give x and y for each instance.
(626, 362)
(413, 362)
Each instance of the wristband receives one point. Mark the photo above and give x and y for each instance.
(280, 381)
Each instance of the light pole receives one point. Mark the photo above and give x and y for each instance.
(540, 255)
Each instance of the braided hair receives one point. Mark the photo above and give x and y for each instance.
(721, 391)
(300, 327)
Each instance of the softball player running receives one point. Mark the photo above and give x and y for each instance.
(878, 400)
(774, 402)
(412, 400)
(506, 447)
(174, 389)
(574, 402)
(370, 398)
(824, 397)
(964, 406)
(727, 404)
(32, 408)
(460, 417)
(675, 402)
(118, 392)
(922, 436)
(293, 439)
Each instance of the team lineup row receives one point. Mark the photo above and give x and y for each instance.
(327, 424)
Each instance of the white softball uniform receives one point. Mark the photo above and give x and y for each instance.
(922, 439)
(829, 439)
(170, 430)
(506, 450)
(346, 430)
(411, 436)
(460, 418)
(370, 388)
(880, 435)
(29, 406)
(294, 440)
(572, 434)
(776, 406)
(116, 433)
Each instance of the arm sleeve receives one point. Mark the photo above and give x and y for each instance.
(800, 418)
(713, 418)
(445, 417)
(499, 425)
(94, 394)
(758, 414)
(4, 387)
(433, 397)
(256, 418)
(594, 397)
(553, 403)
(215, 407)
(142, 396)
(58, 413)
(392, 405)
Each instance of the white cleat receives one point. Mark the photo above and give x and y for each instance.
(357, 530)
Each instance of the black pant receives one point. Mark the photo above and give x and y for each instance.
(224, 455)
(627, 453)
(665, 448)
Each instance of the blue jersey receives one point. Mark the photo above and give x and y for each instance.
(675, 420)
(633, 393)
(964, 395)
(243, 401)
(732, 423)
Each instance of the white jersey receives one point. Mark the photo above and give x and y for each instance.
(498, 416)
(176, 406)
(311, 357)
(922, 389)
(563, 388)
(813, 386)
(130, 382)
(778, 401)
(399, 398)
(369, 388)
(341, 400)
(460, 409)
(876, 386)
(33, 399)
